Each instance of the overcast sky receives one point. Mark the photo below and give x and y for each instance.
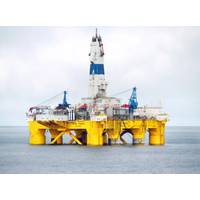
(163, 63)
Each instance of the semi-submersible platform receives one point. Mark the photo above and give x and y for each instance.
(99, 119)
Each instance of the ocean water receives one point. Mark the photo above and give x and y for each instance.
(180, 154)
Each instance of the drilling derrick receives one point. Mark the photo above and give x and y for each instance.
(97, 82)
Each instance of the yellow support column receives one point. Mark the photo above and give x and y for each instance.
(154, 136)
(94, 133)
(157, 135)
(138, 135)
(114, 131)
(54, 134)
(111, 136)
(37, 133)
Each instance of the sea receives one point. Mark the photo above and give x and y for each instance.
(179, 155)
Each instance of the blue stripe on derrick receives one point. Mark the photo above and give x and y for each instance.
(96, 68)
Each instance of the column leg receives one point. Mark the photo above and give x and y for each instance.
(37, 135)
(138, 135)
(94, 134)
(154, 136)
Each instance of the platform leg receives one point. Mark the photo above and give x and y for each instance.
(37, 135)
(138, 135)
(95, 134)
(157, 135)
(154, 136)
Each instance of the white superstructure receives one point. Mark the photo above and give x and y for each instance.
(150, 113)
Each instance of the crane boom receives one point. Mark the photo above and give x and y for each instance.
(133, 103)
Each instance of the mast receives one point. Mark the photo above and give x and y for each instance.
(97, 82)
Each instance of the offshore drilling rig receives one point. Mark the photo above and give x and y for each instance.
(99, 119)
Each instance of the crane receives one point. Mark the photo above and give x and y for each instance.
(64, 105)
(133, 103)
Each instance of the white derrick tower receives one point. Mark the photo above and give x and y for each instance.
(97, 82)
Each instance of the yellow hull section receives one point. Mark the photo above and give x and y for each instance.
(97, 132)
